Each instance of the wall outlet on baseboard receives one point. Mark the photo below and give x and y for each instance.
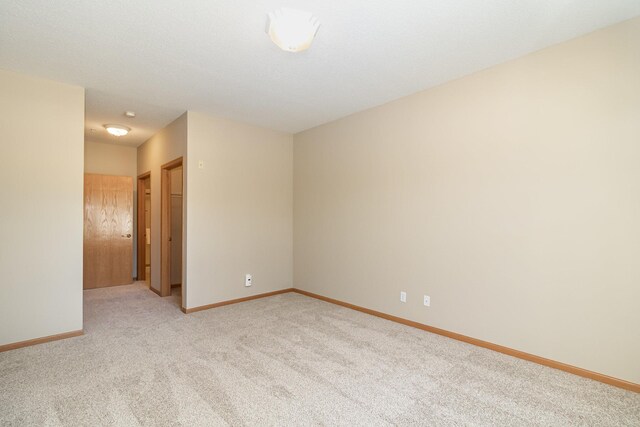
(403, 296)
(248, 280)
(427, 301)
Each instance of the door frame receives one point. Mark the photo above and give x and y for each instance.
(142, 226)
(165, 225)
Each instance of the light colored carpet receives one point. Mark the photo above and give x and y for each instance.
(283, 360)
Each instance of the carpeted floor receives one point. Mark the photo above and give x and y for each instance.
(283, 360)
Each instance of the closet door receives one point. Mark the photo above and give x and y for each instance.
(108, 230)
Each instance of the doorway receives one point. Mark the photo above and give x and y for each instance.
(171, 226)
(144, 228)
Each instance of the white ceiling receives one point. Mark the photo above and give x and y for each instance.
(162, 57)
(104, 108)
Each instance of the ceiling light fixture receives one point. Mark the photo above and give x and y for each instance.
(292, 30)
(117, 130)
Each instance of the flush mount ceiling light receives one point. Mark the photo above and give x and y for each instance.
(292, 30)
(117, 130)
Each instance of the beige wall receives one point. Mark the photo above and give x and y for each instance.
(165, 146)
(41, 168)
(110, 159)
(511, 197)
(113, 159)
(239, 210)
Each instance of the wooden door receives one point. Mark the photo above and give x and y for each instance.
(108, 230)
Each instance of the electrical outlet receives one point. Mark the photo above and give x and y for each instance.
(403, 296)
(248, 280)
(427, 300)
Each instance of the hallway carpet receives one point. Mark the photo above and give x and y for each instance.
(283, 360)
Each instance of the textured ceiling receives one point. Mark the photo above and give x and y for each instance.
(162, 57)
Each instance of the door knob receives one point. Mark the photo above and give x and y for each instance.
(128, 236)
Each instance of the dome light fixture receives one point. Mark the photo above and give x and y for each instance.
(292, 30)
(117, 130)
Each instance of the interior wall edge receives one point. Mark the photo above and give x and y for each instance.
(617, 382)
(41, 340)
(235, 301)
